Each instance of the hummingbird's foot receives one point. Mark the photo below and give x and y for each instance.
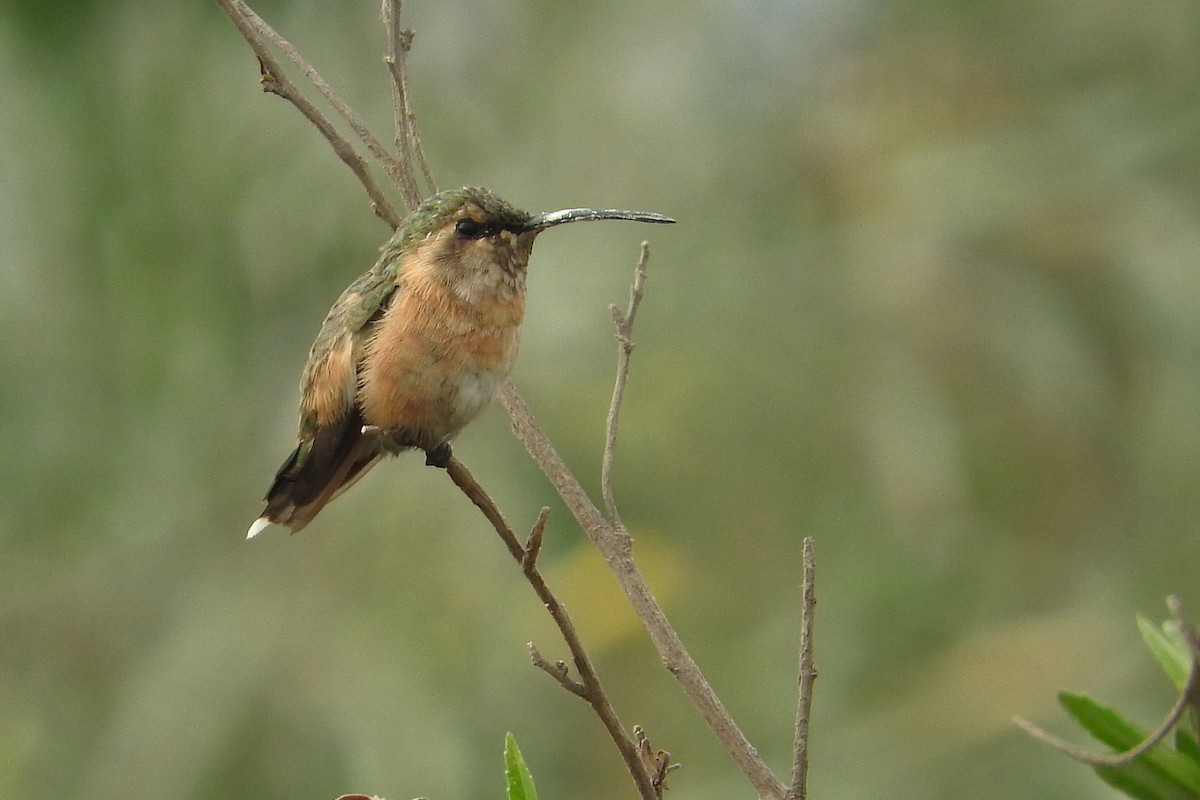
(439, 456)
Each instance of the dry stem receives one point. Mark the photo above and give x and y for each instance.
(808, 676)
(258, 34)
(624, 330)
(408, 143)
(262, 29)
(588, 687)
(615, 546)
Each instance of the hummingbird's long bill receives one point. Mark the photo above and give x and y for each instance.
(548, 219)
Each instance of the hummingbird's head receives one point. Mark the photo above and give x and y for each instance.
(478, 243)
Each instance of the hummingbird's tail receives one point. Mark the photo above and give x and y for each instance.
(317, 471)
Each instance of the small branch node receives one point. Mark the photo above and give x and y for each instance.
(558, 670)
(533, 545)
(267, 80)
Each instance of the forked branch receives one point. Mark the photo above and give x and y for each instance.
(255, 29)
(623, 322)
(408, 140)
(615, 546)
(265, 40)
(588, 686)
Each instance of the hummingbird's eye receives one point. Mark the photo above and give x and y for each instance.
(470, 229)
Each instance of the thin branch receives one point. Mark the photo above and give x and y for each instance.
(275, 81)
(593, 690)
(558, 670)
(465, 481)
(408, 138)
(1188, 697)
(399, 41)
(418, 147)
(615, 546)
(237, 9)
(533, 545)
(808, 676)
(623, 322)
(1110, 759)
(613, 541)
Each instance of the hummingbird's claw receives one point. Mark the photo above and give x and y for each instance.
(439, 456)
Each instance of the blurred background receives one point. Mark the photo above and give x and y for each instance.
(932, 302)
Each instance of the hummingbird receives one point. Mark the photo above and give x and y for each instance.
(415, 348)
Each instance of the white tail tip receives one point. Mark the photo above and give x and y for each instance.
(258, 527)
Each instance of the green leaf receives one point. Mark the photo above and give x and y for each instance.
(1102, 722)
(1141, 782)
(1185, 743)
(1169, 647)
(516, 774)
(1112, 729)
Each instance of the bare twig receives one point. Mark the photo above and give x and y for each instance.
(533, 545)
(623, 322)
(238, 10)
(1110, 759)
(613, 541)
(418, 148)
(1190, 696)
(591, 689)
(615, 546)
(275, 81)
(408, 138)
(558, 670)
(808, 676)
(399, 40)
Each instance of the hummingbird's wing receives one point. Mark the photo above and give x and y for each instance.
(333, 452)
(330, 383)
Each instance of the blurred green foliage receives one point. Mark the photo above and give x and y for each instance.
(932, 302)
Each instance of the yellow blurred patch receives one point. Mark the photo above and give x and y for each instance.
(586, 586)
